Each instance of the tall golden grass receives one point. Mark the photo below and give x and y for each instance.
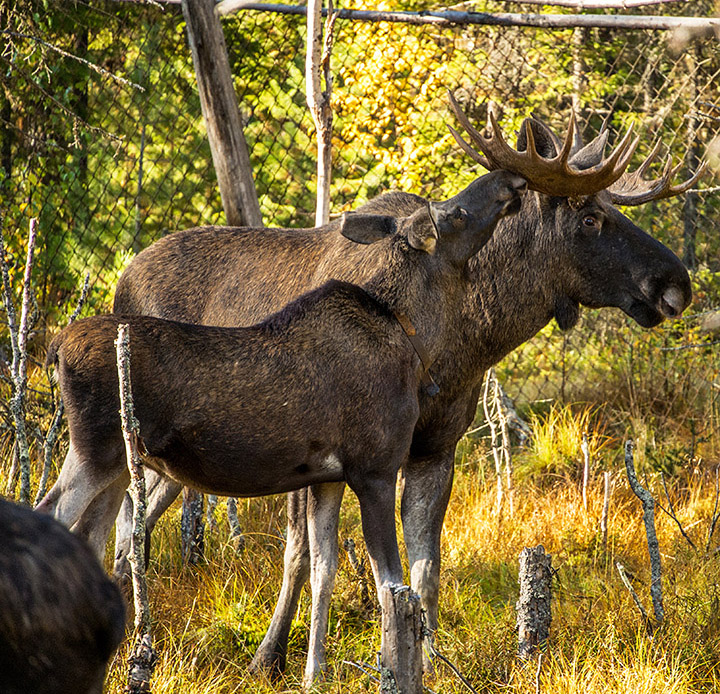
(208, 620)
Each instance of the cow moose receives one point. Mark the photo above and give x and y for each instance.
(61, 617)
(324, 391)
(568, 247)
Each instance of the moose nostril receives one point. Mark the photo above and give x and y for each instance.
(672, 302)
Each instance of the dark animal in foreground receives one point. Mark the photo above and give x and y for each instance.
(568, 246)
(61, 617)
(324, 391)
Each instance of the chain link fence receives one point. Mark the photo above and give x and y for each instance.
(101, 139)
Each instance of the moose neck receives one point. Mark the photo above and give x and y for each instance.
(513, 288)
(421, 288)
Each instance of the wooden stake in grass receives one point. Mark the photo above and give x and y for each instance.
(648, 504)
(585, 448)
(605, 510)
(192, 527)
(18, 342)
(237, 539)
(402, 640)
(533, 606)
(142, 660)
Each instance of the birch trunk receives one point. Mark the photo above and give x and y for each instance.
(18, 342)
(317, 70)
(142, 659)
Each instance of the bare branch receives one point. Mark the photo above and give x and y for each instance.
(543, 21)
(585, 448)
(488, 409)
(18, 340)
(635, 597)
(317, 70)
(671, 512)
(64, 53)
(648, 504)
(596, 4)
(716, 514)
(605, 509)
(142, 659)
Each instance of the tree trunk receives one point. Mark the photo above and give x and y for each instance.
(222, 117)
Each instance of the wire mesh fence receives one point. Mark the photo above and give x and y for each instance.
(102, 139)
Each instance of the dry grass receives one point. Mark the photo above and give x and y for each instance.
(209, 620)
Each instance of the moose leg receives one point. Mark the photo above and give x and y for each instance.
(270, 655)
(97, 520)
(76, 487)
(323, 511)
(161, 492)
(427, 483)
(377, 509)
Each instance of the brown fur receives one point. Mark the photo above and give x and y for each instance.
(61, 618)
(544, 263)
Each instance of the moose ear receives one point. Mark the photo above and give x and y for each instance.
(421, 232)
(367, 228)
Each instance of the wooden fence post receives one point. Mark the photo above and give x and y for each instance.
(533, 606)
(401, 653)
(222, 116)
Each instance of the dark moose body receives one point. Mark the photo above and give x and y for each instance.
(61, 617)
(326, 390)
(558, 253)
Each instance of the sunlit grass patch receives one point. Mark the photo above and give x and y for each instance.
(210, 619)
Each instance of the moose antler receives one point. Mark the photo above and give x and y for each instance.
(569, 172)
(632, 189)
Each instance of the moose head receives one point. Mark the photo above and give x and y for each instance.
(610, 261)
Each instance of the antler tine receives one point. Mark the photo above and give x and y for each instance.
(621, 155)
(503, 155)
(631, 189)
(568, 145)
(475, 136)
(577, 140)
(531, 147)
(640, 171)
(684, 187)
(468, 149)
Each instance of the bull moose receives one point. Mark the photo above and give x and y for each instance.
(568, 247)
